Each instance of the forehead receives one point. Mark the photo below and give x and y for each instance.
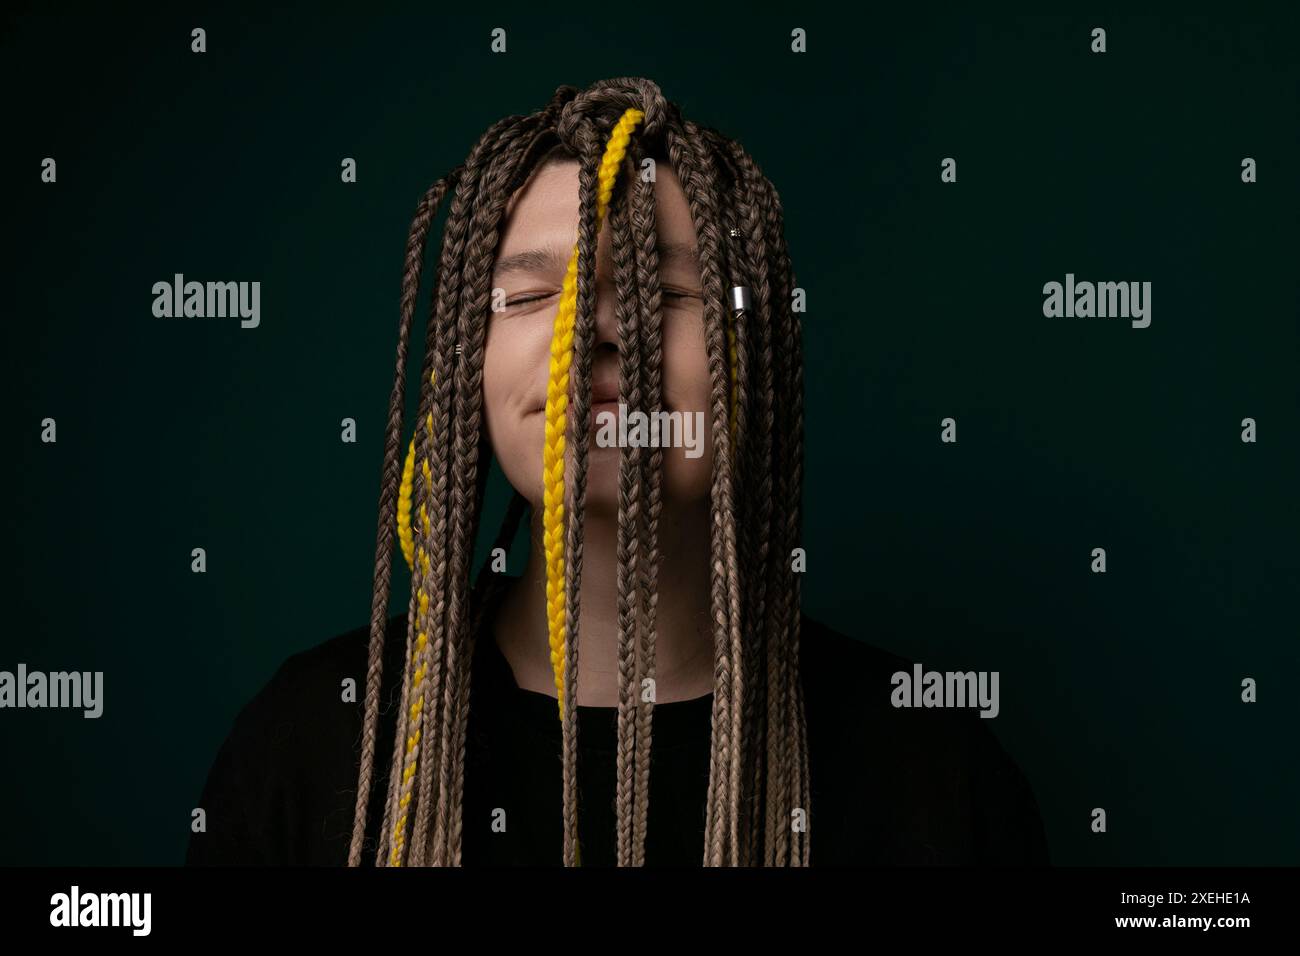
(545, 210)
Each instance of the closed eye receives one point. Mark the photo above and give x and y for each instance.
(673, 293)
(524, 300)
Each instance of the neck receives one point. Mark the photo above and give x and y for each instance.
(683, 645)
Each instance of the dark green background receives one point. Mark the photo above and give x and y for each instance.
(924, 301)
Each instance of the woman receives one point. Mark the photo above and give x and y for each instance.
(602, 257)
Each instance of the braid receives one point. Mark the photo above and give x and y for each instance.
(784, 586)
(433, 668)
(466, 492)
(752, 396)
(758, 765)
(629, 503)
(697, 181)
(752, 472)
(570, 584)
(725, 218)
(747, 445)
(420, 723)
(460, 715)
(756, 372)
(649, 305)
(425, 668)
(414, 262)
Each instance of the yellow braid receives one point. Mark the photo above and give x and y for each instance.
(404, 508)
(409, 551)
(404, 532)
(557, 402)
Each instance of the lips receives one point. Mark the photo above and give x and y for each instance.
(604, 396)
(604, 393)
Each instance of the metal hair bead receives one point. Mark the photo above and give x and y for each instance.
(740, 298)
(735, 233)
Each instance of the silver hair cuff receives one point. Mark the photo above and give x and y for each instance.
(740, 298)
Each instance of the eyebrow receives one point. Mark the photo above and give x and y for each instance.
(556, 258)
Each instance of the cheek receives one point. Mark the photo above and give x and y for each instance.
(685, 365)
(514, 380)
(688, 389)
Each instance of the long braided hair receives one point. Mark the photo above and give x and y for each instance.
(758, 768)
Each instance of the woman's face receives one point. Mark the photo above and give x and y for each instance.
(537, 241)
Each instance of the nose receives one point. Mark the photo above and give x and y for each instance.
(605, 345)
(604, 341)
(606, 286)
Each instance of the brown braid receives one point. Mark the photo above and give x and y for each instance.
(466, 491)
(583, 333)
(699, 183)
(431, 484)
(629, 504)
(755, 374)
(748, 269)
(758, 762)
(437, 663)
(415, 244)
(787, 435)
(751, 274)
(650, 305)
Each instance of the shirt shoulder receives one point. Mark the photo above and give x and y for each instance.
(282, 787)
(907, 784)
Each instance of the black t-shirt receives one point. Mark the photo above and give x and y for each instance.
(889, 785)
